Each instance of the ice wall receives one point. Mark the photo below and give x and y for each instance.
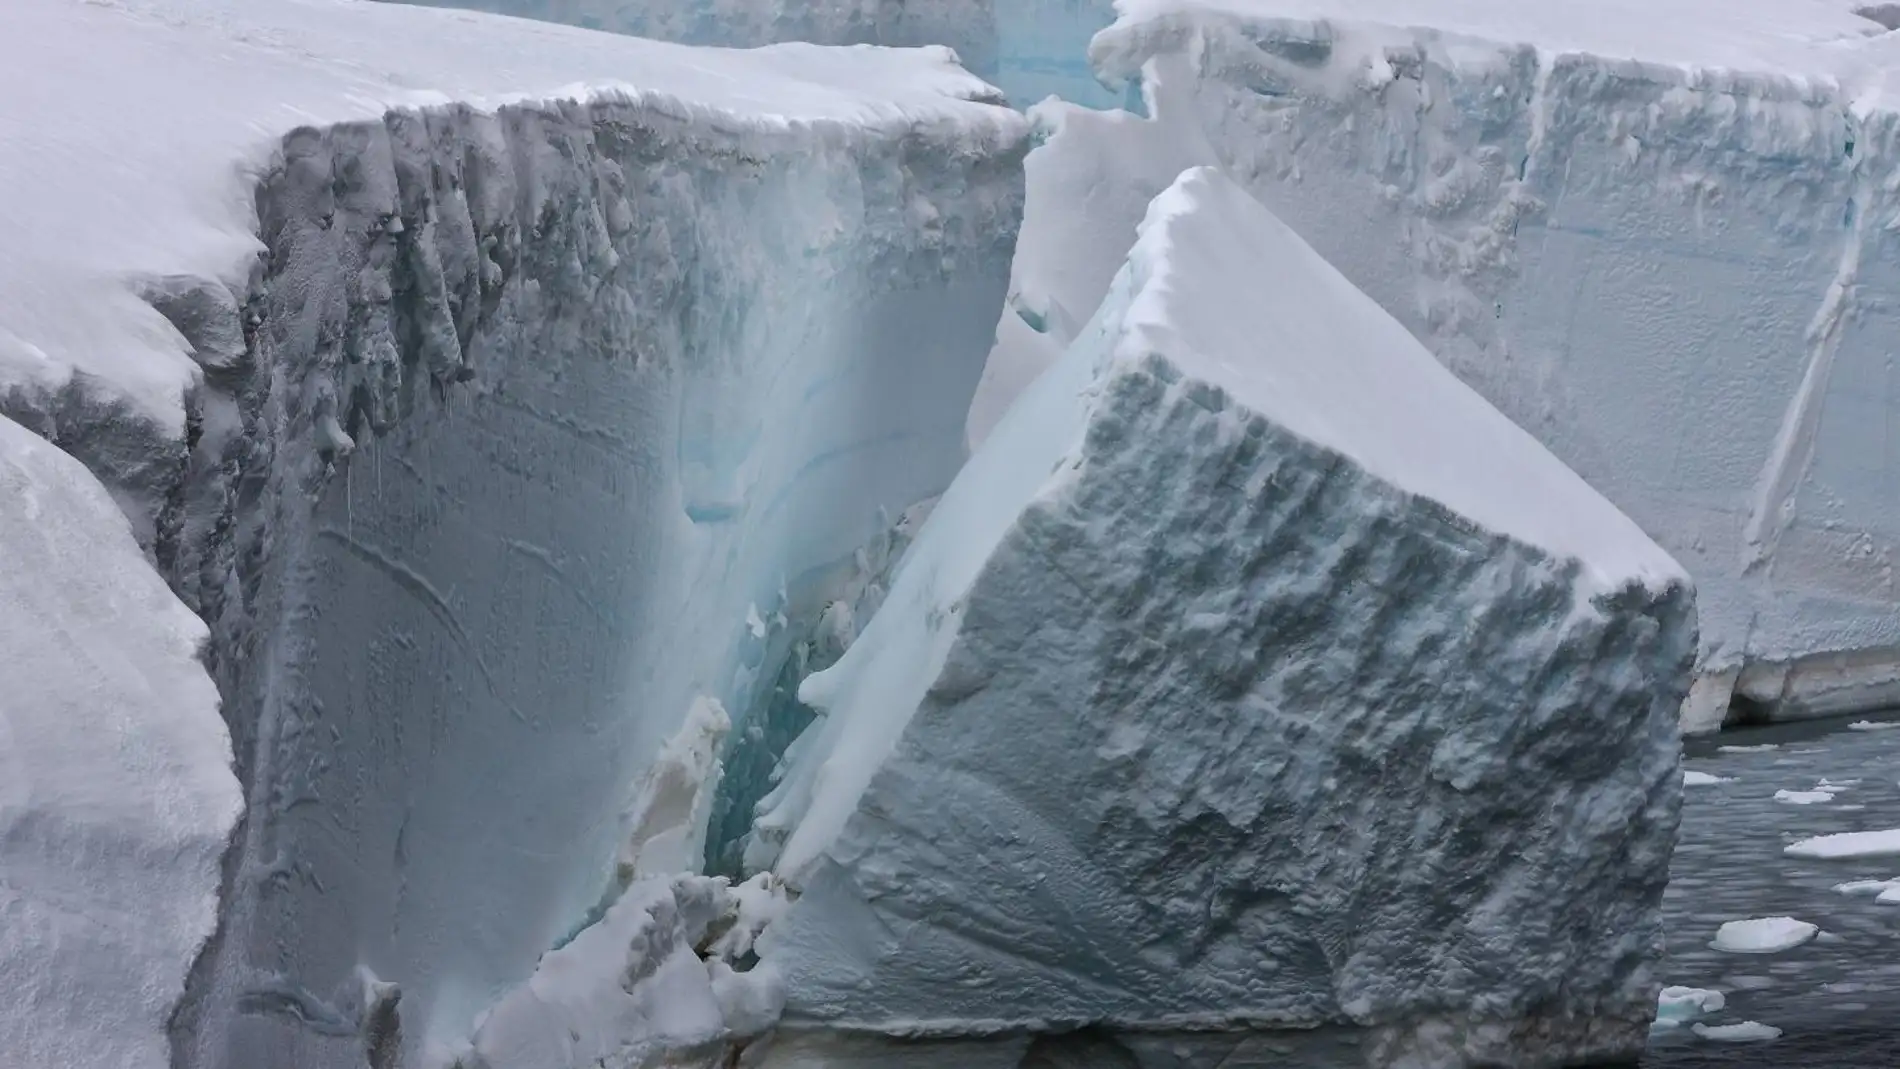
(1659, 236)
(606, 379)
(1257, 694)
(475, 397)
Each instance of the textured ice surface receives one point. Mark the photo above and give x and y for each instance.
(1030, 48)
(1209, 698)
(116, 792)
(479, 423)
(1654, 234)
(1677, 1006)
(1762, 935)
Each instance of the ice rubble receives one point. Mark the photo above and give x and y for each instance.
(1255, 674)
(471, 378)
(1656, 234)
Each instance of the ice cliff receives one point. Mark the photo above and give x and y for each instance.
(1256, 690)
(475, 381)
(1660, 236)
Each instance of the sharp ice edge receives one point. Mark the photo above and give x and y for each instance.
(472, 430)
(1751, 132)
(1014, 781)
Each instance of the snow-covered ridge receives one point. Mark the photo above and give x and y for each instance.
(471, 379)
(175, 201)
(1660, 243)
(1186, 727)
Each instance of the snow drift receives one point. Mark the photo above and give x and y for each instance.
(1656, 235)
(474, 380)
(1255, 677)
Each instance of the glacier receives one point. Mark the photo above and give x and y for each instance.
(1256, 689)
(1657, 235)
(473, 396)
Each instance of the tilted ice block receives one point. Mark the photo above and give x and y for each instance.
(493, 370)
(1255, 674)
(1658, 235)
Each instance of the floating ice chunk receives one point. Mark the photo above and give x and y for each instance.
(1803, 797)
(1745, 1032)
(1762, 935)
(1846, 845)
(1677, 1006)
(1874, 725)
(1759, 748)
(1692, 778)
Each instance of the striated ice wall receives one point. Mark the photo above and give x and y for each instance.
(1672, 270)
(536, 405)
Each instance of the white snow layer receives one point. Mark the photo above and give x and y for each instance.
(490, 371)
(1654, 234)
(1029, 48)
(1204, 677)
(121, 192)
(116, 791)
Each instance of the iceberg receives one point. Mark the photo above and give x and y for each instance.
(1653, 234)
(469, 379)
(1256, 687)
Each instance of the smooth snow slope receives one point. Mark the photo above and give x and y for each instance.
(492, 371)
(1255, 674)
(116, 792)
(1029, 48)
(1657, 235)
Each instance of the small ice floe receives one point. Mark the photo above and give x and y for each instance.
(1677, 1006)
(1866, 888)
(1847, 845)
(1745, 1032)
(1762, 935)
(1692, 778)
(1762, 748)
(1874, 725)
(1803, 797)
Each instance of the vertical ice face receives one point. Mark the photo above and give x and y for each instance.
(1255, 674)
(1654, 234)
(543, 402)
(490, 390)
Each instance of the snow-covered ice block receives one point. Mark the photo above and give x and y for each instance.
(1848, 845)
(116, 791)
(1255, 673)
(1692, 778)
(1652, 233)
(1762, 935)
(471, 377)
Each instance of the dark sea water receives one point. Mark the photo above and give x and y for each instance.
(1836, 999)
